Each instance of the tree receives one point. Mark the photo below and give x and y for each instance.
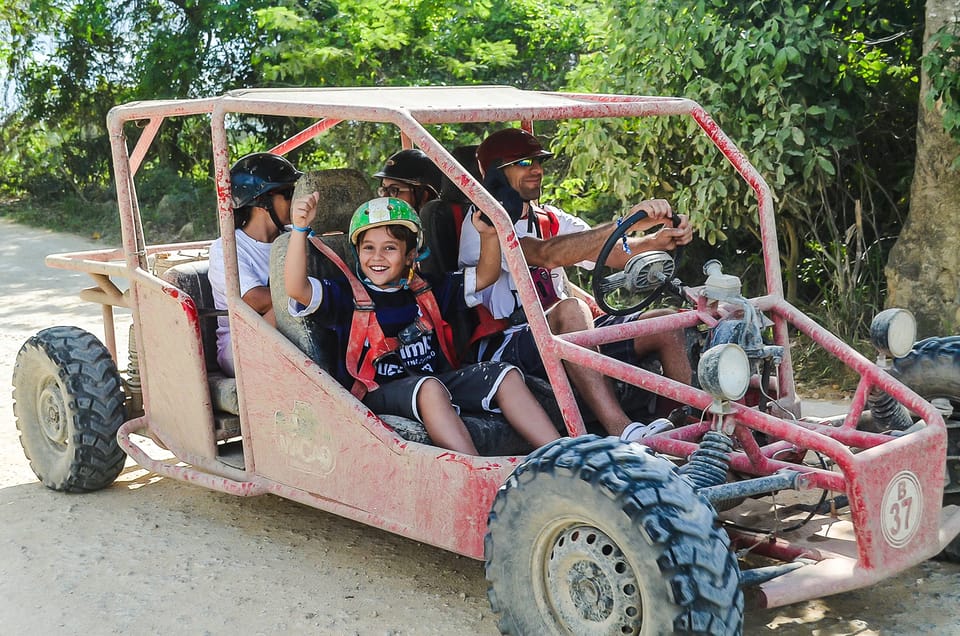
(817, 95)
(923, 272)
(70, 61)
(524, 43)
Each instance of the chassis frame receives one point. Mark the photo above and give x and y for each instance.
(304, 437)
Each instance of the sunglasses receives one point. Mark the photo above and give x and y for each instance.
(526, 163)
(392, 191)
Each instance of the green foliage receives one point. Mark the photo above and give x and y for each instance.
(69, 63)
(821, 98)
(527, 43)
(942, 67)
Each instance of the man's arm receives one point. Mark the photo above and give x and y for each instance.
(569, 249)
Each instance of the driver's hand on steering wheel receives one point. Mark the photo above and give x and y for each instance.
(657, 211)
(666, 238)
(669, 237)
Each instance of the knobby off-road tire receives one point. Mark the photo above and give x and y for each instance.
(594, 536)
(932, 369)
(68, 403)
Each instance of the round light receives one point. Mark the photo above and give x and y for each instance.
(893, 332)
(724, 371)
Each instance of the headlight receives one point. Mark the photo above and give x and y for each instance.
(893, 332)
(724, 372)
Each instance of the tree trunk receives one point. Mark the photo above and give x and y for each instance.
(923, 272)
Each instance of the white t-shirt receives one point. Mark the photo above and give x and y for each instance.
(253, 264)
(501, 297)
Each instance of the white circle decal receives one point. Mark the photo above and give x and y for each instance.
(901, 508)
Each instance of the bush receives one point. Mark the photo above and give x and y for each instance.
(821, 98)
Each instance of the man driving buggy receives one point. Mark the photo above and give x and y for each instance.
(511, 161)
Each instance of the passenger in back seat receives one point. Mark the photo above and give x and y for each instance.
(410, 176)
(398, 354)
(261, 188)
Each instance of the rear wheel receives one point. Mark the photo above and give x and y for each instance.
(594, 536)
(68, 403)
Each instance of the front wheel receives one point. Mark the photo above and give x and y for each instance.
(68, 403)
(594, 536)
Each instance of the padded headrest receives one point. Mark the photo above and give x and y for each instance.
(342, 190)
(467, 156)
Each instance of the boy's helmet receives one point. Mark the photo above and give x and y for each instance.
(414, 167)
(507, 146)
(257, 174)
(383, 211)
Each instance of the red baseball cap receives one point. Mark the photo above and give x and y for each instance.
(508, 146)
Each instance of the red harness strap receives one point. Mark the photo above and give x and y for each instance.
(364, 326)
(549, 224)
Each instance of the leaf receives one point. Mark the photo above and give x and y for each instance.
(780, 62)
(798, 137)
(826, 165)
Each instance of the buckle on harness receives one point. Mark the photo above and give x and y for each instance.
(413, 332)
(367, 307)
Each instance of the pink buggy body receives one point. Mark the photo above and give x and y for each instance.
(304, 437)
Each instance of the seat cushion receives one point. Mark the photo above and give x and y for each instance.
(223, 392)
(341, 191)
(192, 278)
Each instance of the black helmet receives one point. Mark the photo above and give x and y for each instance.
(413, 167)
(257, 174)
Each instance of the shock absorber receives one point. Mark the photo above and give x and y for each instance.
(708, 464)
(888, 414)
(132, 383)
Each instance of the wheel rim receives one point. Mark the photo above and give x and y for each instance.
(587, 584)
(52, 414)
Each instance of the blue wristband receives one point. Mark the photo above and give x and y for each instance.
(300, 229)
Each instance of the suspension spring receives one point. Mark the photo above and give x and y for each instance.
(134, 390)
(708, 464)
(888, 414)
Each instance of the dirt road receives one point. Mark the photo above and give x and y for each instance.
(154, 556)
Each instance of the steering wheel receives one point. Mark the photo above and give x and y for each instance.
(648, 272)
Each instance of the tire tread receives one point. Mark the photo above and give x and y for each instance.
(93, 395)
(696, 560)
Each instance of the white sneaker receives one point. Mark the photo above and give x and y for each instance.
(636, 431)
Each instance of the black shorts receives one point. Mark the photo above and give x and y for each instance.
(520, 350)
(471, 388)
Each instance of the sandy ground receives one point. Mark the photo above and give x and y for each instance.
(154, 556)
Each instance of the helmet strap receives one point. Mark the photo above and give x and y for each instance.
(266, 202)
(419, 194)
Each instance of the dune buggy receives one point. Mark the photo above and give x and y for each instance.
(587, 535)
